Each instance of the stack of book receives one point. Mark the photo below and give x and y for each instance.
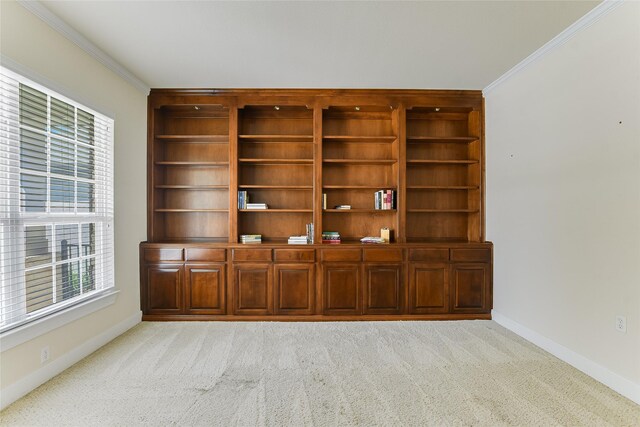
(385, 199)
(342, 207)
(330, 237)
(372, 239)
(298, 240)
(257, 206)
(243, 199)
(251, 238)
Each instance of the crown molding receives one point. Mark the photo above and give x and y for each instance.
(83, 43)
(586, 21)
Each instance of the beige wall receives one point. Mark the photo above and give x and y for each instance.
(563, 192)
(30, 42)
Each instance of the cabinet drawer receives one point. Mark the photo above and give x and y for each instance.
(300, 255)
(341, 255)
(206, 254)
(252, 254)
(383, 255)
(163, 254)
(438, 255)
(464, 255)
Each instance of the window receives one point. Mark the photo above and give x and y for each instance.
(56, 202)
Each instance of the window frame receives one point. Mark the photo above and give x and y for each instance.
(14, 226)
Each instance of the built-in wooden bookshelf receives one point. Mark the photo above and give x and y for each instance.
(290, 149)
(275, 166)
(189, 183)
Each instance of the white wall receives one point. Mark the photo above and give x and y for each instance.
(563, 195)
(30, 42)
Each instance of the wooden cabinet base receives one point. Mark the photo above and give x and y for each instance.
(215, 281)
(312, 318)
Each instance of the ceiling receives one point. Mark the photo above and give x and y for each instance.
(319, 44)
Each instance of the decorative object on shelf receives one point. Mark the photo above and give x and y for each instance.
(250, 238)
(386, 234)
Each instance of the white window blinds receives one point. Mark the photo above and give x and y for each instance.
(56, 201)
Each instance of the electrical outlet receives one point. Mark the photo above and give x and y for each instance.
(45, 353)
(621, 324)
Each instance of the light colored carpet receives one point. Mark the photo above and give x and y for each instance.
(321, 374)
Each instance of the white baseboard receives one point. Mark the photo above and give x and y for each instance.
(32, 381)
(625, 387)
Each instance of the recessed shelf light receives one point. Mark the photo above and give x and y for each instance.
(437, 108)
(276, 108)
(357, 108)
(195, 107)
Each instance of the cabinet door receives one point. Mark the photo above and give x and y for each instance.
(382, 289)
(294, 288)
(341, 288)
(469, 288)
(205, 290)
(252, 289)
(164, 288)
(428, 288)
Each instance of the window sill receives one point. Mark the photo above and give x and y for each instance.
(22, 334)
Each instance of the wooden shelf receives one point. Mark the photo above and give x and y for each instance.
(277, 187)
(192, 163)
(358, 187)
(193, 187)
(195, 139)
(360, 139)
(277, 161)
(442, 187)
(360, 162)
(442, 210)
(208, 148)
(191, 210)
(277, 210)
(443, 162)
(358, 210)
(275, 138)
(441, 139)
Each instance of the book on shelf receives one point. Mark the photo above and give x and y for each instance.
(372, 239)
(243, 199)
(324, 200)
(309, 229)
(257, 206)
(384, 200)
(342, 207)
(251, 238)
(298, 240)
(330, 237)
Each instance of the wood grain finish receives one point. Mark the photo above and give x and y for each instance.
(294, 288)
(205, 288)
(253, 289)
(428, 288)
(286, 148)
(297, 255)
(382, 289)
(164, 293)
(469, 290)
(341, 288)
